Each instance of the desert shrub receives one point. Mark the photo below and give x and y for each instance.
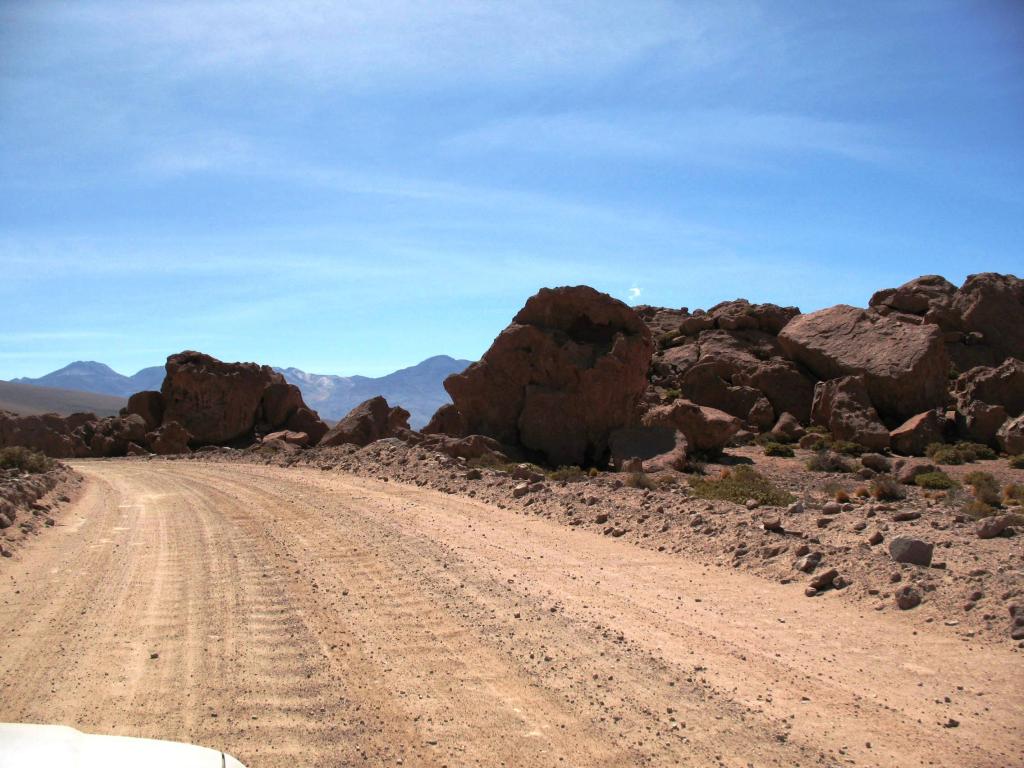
(886, 488)
(24, 459)
(977, 451)
(1017, 462)
(861, 492)
(570, 474)
(1013, 493)
(935, 481)
(847, 448)
(739, 484)
(777, 449)
(819, 443)
(640, 480)
(961, 453)
(673, 394)
(593, 472)
(842, 496)
(979, 509)
(986, 488)
(817, 429)
(826, 461)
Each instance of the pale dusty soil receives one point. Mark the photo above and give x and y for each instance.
(304, 618)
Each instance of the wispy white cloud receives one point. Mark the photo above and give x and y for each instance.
(716, 137)
(358, 42)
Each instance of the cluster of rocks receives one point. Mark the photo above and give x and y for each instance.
(202, 402)
(28, 499)
(580, 378)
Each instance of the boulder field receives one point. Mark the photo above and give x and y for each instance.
(202, 402)
(580, 378)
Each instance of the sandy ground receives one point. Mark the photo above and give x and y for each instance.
(294, 617)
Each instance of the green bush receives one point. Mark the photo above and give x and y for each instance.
(777, 449)
(961, 453)
(673, 394)
(740, 484)
(817, 429)
(935, 481)
(1017, 462)
(24, 459)
(570, 474)
(847, 448)
(826, 461)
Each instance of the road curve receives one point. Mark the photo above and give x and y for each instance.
(294, 617)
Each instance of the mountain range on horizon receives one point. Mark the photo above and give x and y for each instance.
(419, 388)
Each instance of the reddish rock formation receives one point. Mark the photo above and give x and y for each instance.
(169, 438)
(49, 433)
(221, 403)
(842, 405)
(148, 405)
(707, 430)
(371, 420)
(1011, 436)
(570, 369)
(915, 434)
(904, 363)
(729, 358)
(1002, 385)
(982, 321)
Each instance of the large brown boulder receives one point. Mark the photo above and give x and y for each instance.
(169, 438)
(1001, 385)
(992, 306)
(904, 362)
(149, 405)
(113, 436)
(369, 421)
(982, 321)
(570, 369)
(222, 403)
(843, 406)
(446, 421)
(729, 358)
(1011, 436)
(914, 435)
(47, 433)
(707, 429)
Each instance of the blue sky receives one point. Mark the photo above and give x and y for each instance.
(352, 187)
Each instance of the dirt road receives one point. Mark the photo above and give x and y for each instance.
(295, 617)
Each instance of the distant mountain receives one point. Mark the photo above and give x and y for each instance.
(25, 399)
(419, 389)
(90, 376)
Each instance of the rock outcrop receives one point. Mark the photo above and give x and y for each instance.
(707, 430)
(914, 435)
(569, 370)
(202, 402)
(904, 364)
(222, 403)
(729, 358)
(843, 406)
(369, 421)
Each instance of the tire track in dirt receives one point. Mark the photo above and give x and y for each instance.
(314, 618)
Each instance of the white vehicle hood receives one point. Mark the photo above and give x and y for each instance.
(31, 746)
